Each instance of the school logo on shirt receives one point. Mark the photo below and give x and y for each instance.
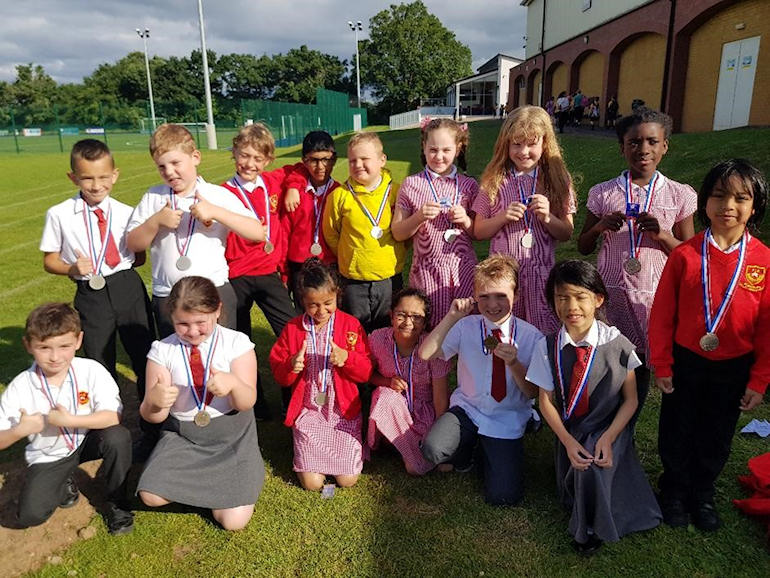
(83, 397)
(273, 203)
(351, 338)
(754, 278)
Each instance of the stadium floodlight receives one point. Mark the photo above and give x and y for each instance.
(355, 27)
(144, 35)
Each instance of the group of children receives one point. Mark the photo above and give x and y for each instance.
(582, 340)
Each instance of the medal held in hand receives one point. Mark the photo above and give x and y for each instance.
(489, 342)
(528, 239)
(325, 374)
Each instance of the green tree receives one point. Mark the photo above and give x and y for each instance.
(32, 95)
(301, 71)
(410, 55)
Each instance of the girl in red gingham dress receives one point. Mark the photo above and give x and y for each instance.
(526, 206)
(323, 356)
(433, 209)
(411, 393)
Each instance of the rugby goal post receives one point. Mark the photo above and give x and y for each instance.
(145, 124)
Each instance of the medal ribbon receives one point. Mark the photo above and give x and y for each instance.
(635, 241)
(97, 260)
(713, 323)
(319, 200)
(206, 398)
(366, 211)
(327, 353)
(569, 407)
(523, 198)
(409, 389)
(512, 331)
(185, 246)
(245, 198)
(455, 199)
(70, 437)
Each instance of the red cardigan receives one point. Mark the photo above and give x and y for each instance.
(349, 335)
(677, 313)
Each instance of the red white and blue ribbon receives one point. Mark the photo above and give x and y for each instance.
(513, 329)
(245, 198)
(319, 199)
(70, 437)
(375, 223)
(635, 240)
(409, 388)
(97, 259)
(455, 199)
(184, 247)
(327, 353)
(201, 402)
(524, 198)
(571, 404)
(713, 320)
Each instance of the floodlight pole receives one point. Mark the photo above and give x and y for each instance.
(211, 132)
(355, 28)
(144, 36)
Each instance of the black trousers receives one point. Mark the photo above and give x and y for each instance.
(453, 439)
(269, 294)
(697, 423)
(369, 301)
(43, 488)
(121, 307)
(163, 316)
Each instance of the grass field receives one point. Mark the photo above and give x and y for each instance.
(389, 524)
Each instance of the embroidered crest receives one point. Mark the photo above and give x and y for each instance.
(273, 203)
(351, 338)
(754, 278)
(82, 397)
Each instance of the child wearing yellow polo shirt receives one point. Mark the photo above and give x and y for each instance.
(356, 226)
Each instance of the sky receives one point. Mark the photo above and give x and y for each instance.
(71, 38)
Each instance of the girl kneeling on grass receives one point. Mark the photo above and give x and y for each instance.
(323, 356)
(200, 386)
(598, 476)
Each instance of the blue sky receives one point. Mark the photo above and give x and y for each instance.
(70, 38)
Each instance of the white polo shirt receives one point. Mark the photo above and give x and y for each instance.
(96, 391)
(207, 244)
(65, 231)
(506, 419)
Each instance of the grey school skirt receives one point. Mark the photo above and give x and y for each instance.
(218, 466)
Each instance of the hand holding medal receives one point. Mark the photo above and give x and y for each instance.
(508, 352)
(540, 207)
(612, 221)
(338, 356)
(430, 211)
(297, 361)
(459, 216)
(648, 225)
(515, 211)
(397, 384)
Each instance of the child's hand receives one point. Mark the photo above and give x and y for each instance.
(203, 210)
(507, 352)
(612, 221)
(540, 207)
(163, 395)
(462, 307)
(459, 216)
(515, 211)
(291, 200)
(30, 424)
(750, 399)
(397, 384)
(168, 217)
(603, 452)
(578, 456)
(59, 416)
(664, 384)
(220, 383)
(82, 266)
(649, 225)
(338, 356)
(430, 211)
(298, 360)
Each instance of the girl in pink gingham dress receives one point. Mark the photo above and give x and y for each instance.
(323, 355)
(525, 206)
(411, 393)
(433, 210)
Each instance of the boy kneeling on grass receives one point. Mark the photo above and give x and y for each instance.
(69, 408)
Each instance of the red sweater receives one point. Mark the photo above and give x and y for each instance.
(678, 314)
(300, 224)
(349, 335)
(247, 257)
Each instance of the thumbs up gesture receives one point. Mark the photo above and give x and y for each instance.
(59, 416)
(30, 424)
(169, 217)
(203, 210)
(163, 395)
(298, 359)
(82, 266)
(219, 383)
(338, 356)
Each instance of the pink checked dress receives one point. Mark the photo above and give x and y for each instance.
(631, 296)
(390, 415)
(442, 269)
(535, 263)
(324, 441)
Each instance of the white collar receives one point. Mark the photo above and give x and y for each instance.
(434, 175)
(591, 338)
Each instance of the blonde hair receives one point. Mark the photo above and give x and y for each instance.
(258, 136)
(460, 132)
(526, 123)
(168, 137)
(497, 267)
(366, 137)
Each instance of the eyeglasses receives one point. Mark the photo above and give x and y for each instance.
(413, 317)
(326, 161)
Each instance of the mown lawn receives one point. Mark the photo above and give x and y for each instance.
(389, 524)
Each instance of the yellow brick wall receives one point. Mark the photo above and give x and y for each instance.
(705, 58)
(591, 75)
(641, 72)
(559, 80)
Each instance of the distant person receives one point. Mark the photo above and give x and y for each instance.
(612, 112)
(593, 112)
(562, 111)
(549, 107)
(578, 107)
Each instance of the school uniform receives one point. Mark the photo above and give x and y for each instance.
(535, 262)
(476, 416)
(371, 267)
(391, 416)
(326, 432)
(204, 246)
(218, 466)
(606, 502)
(698, 419)
(53, 454)
(443, 260)
(122, 306)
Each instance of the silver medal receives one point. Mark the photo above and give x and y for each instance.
(269, 247)
(315, 249)
(96, 282)
(202, 418)
(320, 398)
(183, 263)
(450, 235)
(632, 265)
(527, 241)
(709, 342)
(376, 232)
